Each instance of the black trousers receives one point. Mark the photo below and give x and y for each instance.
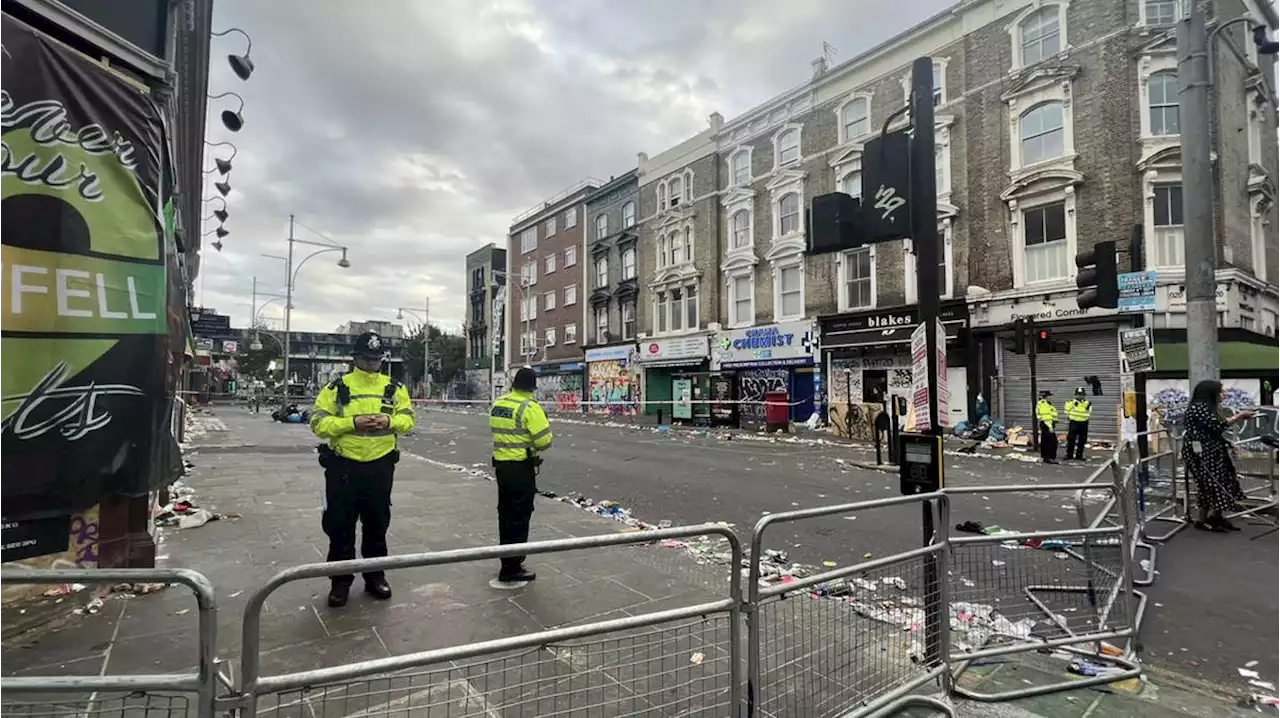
(358, 491)
(1048, 443)
(1077, 434)
(517, 486)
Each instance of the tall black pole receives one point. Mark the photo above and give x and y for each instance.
(924, 233)
(1033, 340)
(1137, 263)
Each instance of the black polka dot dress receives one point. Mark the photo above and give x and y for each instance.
(1211, 467)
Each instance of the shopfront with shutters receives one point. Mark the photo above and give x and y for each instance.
(1094, 352)
(770, 358)
(867, 357)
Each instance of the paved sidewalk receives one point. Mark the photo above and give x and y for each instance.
(266, 473)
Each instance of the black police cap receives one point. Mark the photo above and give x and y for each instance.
(370, 346)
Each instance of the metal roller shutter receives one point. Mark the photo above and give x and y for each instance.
(1092, 352)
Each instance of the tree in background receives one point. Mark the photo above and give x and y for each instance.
(448, 357)
(253, 364)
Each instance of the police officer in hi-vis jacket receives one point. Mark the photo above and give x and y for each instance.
(360, 414)
(521, 434)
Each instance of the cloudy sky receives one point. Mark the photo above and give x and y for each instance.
(414, 133)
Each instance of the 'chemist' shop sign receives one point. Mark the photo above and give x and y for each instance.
(783, 344)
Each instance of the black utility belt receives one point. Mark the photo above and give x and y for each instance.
(329, 458)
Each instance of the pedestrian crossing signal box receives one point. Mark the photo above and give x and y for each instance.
(920, 463)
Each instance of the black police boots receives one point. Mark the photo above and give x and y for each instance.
(378, 588)
(338, 594)
(522, 574)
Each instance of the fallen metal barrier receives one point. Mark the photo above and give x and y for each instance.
(617, 666)
(101, 696)
(853, 640)
(1007, 598)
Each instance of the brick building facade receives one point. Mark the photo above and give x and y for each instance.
(545, 263)
(1056, 128)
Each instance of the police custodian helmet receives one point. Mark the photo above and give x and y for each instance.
(369, 346)
(525, 380)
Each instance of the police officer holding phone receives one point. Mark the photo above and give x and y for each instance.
(360, 414)
(521, 433)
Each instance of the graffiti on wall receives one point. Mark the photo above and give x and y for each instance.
(753, 384)
(81, 551)
(477, 385)
(853, 421)
(1167, 399)
(845, 381)
(560, 391)
(611, 386)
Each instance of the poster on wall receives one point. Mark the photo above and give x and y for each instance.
(87, 324)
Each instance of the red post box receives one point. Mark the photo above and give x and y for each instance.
(777, 414)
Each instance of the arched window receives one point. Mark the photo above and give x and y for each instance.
(676, 189)
(1040, 131)
(602, 226)
(788, 146)
(741, 229)
(851, 184)
(789, 214)
(740, 167)
(628, 215)
(1040, 35)
(1162, 100)
(855, 118)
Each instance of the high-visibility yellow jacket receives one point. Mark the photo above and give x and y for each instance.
(369, 393)
(1079, 410)
(1046, 412)
(520, 427)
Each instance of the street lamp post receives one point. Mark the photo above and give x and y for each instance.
(426, 342)
(291, 274)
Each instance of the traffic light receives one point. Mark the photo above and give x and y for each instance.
(1096, 280)
(1046, 344)
(1043, 341)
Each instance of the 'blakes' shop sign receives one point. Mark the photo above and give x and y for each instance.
(889, 319)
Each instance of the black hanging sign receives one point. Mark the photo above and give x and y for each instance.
(87, 313)
(886, 187)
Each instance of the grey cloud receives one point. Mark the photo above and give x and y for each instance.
(414, 131)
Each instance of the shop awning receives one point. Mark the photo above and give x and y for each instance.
(1232, 356)
(878, 337)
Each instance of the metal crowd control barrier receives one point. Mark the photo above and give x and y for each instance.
(550, 677)
(167, 695)
(1255, 462)
(1158, 496)
(808, 656)
(1116, 513)
(1029, 600)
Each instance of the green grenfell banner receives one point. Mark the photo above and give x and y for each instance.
(85, 333)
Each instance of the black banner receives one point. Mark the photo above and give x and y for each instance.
(90, 268)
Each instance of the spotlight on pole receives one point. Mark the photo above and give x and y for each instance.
(240, 64)
(231, 119)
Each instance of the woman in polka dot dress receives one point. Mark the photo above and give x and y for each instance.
(1206, 453)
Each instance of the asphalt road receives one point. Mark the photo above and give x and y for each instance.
(687, 477)
(1210, 613)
